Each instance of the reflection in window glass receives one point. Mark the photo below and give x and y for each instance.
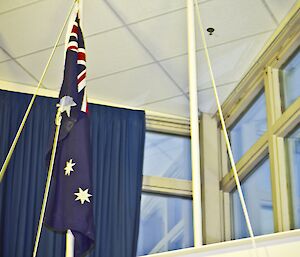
(293, 146)
(258, 198)
(289, 76)
(167, 156)
(165, 224)
(250, 126)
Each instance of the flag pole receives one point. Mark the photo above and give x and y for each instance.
(194, 118)
(69, 244)
(48, 182)
(14, 143)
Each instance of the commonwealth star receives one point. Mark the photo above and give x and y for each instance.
(69, 167)
(83, 195)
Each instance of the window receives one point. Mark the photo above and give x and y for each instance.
(267, 126)
(293, 150)
(250, 126)
(166, 221)
(165, 224)
(167, 156)
(289, 77)
(258, 198)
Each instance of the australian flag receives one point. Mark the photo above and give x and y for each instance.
(71, 197)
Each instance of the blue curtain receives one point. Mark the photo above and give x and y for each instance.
(117, 137)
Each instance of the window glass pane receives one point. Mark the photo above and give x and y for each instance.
(167, 156)
(258, 198)
(289, 76)
(165, 224)
(250, 126)
(293, 146)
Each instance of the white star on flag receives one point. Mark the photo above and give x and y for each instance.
(69, 167)
(66, 104)
(83, 195)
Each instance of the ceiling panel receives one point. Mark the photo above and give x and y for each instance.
(229, 62)
(54, 75)
(10, 5)
(135, 10)
(165, 36)
(37, 26)
(180, 105)
(97, 17)
(33, 28)
(206, 98)
(10, 71)
(106, 53)
(280, 8)
(114, 51)
(135, 87)
(175, 106)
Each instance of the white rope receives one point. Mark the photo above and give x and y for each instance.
(14, 143)
(237, 181)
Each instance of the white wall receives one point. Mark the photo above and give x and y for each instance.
(285, 244)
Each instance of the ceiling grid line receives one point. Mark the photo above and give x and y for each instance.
(198, 91)
(20, 7)
(270, 12)
(21, 66)
(160, 60)
(179, 55)
(103, 31)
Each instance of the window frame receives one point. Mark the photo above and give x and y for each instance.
(280, 122)
(164, 186)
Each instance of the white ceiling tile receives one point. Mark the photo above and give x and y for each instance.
(10, 5)
(229, 62)
(97, 17)
(178, 106)
(54, 75)
(206, 98)
(106, 53)
(280, 8)
(134, 88)
(114, 51)
(11, 71)
(135, 10)
(37, 26)
(32, 28)
(233, 19)
(165, 36)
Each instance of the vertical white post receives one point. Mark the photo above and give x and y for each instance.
(195, 144)
(69, 244)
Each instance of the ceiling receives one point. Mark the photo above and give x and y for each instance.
(137, 49)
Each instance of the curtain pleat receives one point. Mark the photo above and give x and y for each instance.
(117, 138)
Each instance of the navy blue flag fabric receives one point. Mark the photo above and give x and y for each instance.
(70, 203)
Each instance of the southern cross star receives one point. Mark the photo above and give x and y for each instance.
(83, 195)
(65, 104)
(69, 167)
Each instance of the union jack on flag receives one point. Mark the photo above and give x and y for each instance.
(70, 204)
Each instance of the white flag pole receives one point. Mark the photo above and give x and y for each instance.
(69, 244)
(194, 118)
